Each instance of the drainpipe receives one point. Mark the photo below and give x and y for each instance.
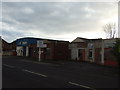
(93, 53)
(102, 52)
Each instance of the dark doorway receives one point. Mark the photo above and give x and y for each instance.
(80, 54)
(24, 51)
(30, 52)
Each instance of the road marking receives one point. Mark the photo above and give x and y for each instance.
(81, 85)
(35, 73)
(34, 62)
(40, 63)
(8, 66)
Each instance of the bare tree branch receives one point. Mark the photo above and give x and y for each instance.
(110, 30)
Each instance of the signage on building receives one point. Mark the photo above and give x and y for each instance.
(90, 45)
(23, 43)
(41, 44)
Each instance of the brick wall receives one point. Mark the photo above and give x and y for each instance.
(108, 55)
(61, 51)
(53, 51)
(5, 46)
(97, 55)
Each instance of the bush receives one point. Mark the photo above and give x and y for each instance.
(116, 50)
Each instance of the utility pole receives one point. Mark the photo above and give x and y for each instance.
(39, 54)
(102, 52)
(40, 45)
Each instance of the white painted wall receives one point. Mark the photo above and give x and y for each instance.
(74, 53)
(19, 51)
(27, 51)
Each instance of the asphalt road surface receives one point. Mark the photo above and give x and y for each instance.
(19, 72)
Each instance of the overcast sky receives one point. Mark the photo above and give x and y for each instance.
(56, 20)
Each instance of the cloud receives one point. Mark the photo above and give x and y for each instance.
(28, 10)
(54, 19)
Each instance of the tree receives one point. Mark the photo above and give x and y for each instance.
(116, 49)
(110, 30)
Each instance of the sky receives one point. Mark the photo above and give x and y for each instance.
(56, 20)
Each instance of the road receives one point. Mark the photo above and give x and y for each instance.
(18, 72)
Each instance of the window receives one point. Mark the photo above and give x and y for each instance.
(90, 54)
(48, 51)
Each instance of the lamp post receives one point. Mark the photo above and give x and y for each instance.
(39, 54)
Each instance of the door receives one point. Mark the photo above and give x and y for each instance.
(30, 52)
(24, 51)
(80, 54)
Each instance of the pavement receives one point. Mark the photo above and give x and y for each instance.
(19, 72)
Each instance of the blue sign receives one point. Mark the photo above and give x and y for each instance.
(26, 41)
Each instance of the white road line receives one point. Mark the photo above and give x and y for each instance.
(8, 66)
(35, 73)
(42, 63)
(34, 62)
(81, 85)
